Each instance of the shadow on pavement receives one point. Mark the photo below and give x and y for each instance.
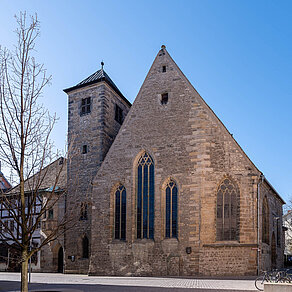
(9, 286)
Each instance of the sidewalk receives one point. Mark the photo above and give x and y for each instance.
(63, 282)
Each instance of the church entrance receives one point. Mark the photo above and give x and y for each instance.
(273, 252)
(60, 260)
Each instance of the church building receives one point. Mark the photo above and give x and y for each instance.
(163, 187)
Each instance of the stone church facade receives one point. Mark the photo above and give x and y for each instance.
(163, 187)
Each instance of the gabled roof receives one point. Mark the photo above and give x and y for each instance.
(4, 183)
(57, 170)
(97, 77)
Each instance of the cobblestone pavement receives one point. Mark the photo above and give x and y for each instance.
(61, 282)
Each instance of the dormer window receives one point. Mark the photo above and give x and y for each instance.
(85, 106)
(164, 98)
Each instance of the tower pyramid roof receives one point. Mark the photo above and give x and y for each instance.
(97, 77)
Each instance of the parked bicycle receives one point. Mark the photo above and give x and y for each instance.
(275, 276)
(285, 277)
(267, 277)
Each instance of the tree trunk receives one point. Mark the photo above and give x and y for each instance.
(24, 270)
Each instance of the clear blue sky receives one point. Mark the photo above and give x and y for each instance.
(237, 54)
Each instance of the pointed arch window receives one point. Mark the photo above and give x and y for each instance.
(85, 247)
(227, 210)
(120, 212)
(171, 197)
(265, 221)
(145, 197)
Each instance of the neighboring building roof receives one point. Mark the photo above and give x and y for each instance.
(97, 77)
(4, 183)
(277, 194)
(288, 214)
(48, 178)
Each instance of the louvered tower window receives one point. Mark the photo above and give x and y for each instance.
(145, 197)
(119, 114)
(227, 211)
(85, 106)
(120, 212)
(171, 209)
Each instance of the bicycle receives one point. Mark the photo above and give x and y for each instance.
(267, 277)
(284, 277)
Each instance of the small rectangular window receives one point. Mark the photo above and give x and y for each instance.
(163, 69)
(51, 214)
(164, 98)
(84, 149)
(119, 114)
(83, 213)
(85, 105)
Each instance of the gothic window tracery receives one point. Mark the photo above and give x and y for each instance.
(227, 210)
(171, 207)
(145, 197)
(120, 212)
(265, 221)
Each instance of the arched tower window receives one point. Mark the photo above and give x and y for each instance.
(265, 221)
(227, 210)
(120, 212)
(171, 194)
(145, 197)
(85, 247)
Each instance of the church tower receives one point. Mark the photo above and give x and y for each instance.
(96, 110)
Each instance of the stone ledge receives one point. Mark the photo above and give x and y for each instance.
(230, 244)
(277, 287)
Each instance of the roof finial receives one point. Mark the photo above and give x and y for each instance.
(163, 47)
(102, 64)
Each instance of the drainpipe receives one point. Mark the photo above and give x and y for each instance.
(261, 179)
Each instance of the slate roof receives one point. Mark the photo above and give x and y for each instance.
(48, 178)
(4, 183)
(97, 77)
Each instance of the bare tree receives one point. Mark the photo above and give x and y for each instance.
(25, 144)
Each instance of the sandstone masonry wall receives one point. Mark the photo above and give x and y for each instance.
(189, 144)
(97, 130)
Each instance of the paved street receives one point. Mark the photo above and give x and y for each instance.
(77, 283)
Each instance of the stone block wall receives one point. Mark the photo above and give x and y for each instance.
(97, 130)
(189, 144)
(275, 243)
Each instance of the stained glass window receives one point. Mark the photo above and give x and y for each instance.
(171, 209)
(227, 210)
(278, 231)
(120, 212)
(145, 197)
(265, 221)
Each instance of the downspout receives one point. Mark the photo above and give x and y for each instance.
(261, 179)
